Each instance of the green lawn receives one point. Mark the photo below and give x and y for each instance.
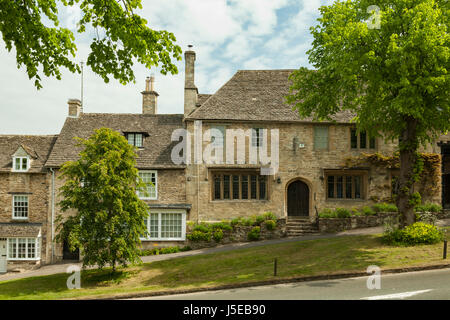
(304, 258)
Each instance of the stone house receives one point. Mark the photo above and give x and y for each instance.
(238, 152)
(25, 230)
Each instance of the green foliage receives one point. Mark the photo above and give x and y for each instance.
(342, 213)
(428, 207)
(394, 76)
(355, 212)
(166, 250)
(254, 234)
(368, 211)
(218, 235)
(417, 233)
(199, 236)
(384, 207)
(33, 29)
(270, 224)
(426, 217)
(327, 213)
(101, 187)
(269, 216)
(415, 199)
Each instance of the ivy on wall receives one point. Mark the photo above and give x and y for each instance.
(427, 171)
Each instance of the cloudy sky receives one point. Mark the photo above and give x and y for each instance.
(228, 35)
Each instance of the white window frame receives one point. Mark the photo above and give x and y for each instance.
(21, 163)
(257, 137)
(37, 249)
(164, 211)
(13, 207)
(156, 185)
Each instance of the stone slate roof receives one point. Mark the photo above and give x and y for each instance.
(156, 149)
(37, 146)
(201, 98)
(31, 230)
(254, 95)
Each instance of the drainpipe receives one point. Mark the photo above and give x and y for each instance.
(53, 213)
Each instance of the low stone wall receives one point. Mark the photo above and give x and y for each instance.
(341, 224)
(239, 234)
(20, 266)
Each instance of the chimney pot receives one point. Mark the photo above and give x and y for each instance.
(149, 96)
(75, 108)
(190, 90)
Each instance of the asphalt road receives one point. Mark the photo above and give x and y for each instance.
(427, 285)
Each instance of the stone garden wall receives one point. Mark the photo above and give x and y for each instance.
(329, 225)
(239, 234)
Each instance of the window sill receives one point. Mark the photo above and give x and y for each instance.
(19, 219)
(23, 259)
(337, 199)
(162, 239)
(238, 200)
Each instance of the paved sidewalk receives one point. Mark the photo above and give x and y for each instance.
(62, 267)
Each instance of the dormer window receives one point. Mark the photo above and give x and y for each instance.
(21, 164)
(135, 139)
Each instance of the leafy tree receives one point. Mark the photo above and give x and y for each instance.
(101, 186)
(389, 68)
(32, 27)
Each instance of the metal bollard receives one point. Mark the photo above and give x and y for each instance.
(275, 267)
(445, 249)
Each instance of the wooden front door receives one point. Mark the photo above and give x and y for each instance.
(298, 199)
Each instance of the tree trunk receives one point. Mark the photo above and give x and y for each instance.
(408, 148)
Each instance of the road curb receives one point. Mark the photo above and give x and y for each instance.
(265, 282)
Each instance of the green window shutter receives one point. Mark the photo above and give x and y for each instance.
(321, 138)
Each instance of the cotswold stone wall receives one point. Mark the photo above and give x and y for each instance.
(295, 163)
(37, 187)
(330, 225)
(239, 234)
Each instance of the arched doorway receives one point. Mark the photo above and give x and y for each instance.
(298, 199)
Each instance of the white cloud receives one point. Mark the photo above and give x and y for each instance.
(227, 35)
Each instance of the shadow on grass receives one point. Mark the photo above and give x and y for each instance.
(295, 259)
(56, 285)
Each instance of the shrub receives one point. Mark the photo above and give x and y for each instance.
(270, 224)
(342, 213)
(235, 222)
(202, 227)
(428, 207)
(384, 207)
(259, 219)
(327, 213)
(368, 211)
(157, 251)
(417, 233)
(199, 236)
(254, 234)
(218, 235)
(248, 222)
(221, 226)
(269, 216)
(354, 212)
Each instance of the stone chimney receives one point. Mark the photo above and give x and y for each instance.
(75, 108)
(190, 90)
(149, 96)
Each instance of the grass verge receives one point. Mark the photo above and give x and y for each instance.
(304, 258)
